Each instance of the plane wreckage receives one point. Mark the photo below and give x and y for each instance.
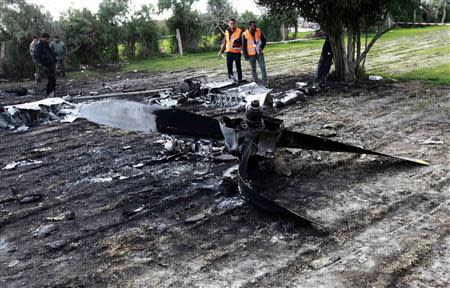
(255, 135)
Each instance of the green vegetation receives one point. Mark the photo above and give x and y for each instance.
(172, 62)
(439, 75)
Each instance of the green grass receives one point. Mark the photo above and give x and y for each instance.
(442, 50)
(300, 35)
(176, 62)
(439, 75)
(412, 32)
(208, 59)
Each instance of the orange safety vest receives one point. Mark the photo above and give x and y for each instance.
(252, 42)
(230, 40)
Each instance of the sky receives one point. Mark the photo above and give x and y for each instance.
(57, 7)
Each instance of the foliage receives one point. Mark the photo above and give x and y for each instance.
(219, 12)
(82, 32)
(141, 28)
(186, 20)
(111, 17)
(19, 22)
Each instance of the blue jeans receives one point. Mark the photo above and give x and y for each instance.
(262, 66)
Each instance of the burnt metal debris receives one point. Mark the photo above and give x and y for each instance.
(19, 91)
(255, 135)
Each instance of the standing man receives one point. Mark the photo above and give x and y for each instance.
(253, 43)
(45, 57)
(232, 44)
(59, 50)
(37, 71)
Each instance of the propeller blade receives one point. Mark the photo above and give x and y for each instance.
(258, 200)
(134, 116)
(291, 139)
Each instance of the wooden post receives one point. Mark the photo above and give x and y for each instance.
(180, 46)
(2, 57)
(283, 32)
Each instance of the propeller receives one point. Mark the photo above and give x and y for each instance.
(254, 135)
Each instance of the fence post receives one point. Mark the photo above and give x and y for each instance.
(180, 46)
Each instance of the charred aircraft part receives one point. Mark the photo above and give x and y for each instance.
(291, 139)
(255, 135)
(133, 116)
(223, 100)
(19, 91)
(246, 190)
(33, 113)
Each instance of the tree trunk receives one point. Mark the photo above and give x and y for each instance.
(114, 51)
(295, 29)
(283, 32)
(144, 46)
(444, 11)
(131, 47)
(436, 14)
(179, 41)
(341, 67)
(2, 57)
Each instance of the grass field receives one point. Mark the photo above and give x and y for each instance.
(403, 53)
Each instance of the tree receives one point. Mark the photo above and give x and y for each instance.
(81, 33)
(184, 19)
(350, 16)
(218, 14)
(142, 28)
(440, 4)
(19, 22)
(111, 18)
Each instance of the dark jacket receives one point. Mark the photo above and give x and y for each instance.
(44, 55)
(244, 44)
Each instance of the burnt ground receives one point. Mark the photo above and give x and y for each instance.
(106, 208)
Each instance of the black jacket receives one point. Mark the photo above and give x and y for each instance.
(44, 55)
(244, 44)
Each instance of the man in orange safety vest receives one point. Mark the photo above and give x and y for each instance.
(232, 44)
(253, 43)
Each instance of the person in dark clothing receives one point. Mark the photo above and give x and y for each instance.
(232, 44)
(253, 43)
(45, 57)
(325, 62)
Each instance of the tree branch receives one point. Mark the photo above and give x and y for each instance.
(372, 42)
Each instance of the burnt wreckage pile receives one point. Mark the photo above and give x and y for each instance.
(254, 136)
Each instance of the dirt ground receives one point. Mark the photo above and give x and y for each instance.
(102, 207)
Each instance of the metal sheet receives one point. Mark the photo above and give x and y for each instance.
(134, 116)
